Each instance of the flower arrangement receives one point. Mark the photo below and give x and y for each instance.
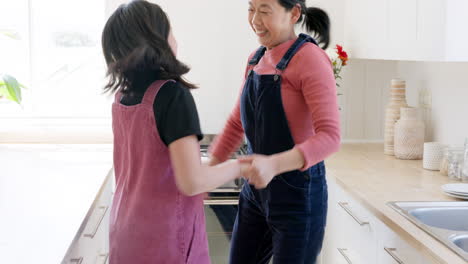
(339, 62)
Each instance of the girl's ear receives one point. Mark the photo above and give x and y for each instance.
(172, 43)
(296, 13)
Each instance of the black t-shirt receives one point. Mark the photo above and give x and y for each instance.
(174, 108)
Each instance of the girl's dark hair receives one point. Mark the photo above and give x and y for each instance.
(135, 39)
(316, 20)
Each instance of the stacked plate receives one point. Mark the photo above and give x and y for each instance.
(457, 190)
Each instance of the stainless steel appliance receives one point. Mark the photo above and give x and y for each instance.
(220, 212)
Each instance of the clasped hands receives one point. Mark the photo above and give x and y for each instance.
(258, 169)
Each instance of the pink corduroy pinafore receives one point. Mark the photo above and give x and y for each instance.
(151, 221)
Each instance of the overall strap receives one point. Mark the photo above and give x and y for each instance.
(258, 55)
(153, 89)
(117, 96)
(301, 40)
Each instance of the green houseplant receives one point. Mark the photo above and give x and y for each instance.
(10, 88)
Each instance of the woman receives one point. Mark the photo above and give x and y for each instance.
(157, 212)
(288, 112)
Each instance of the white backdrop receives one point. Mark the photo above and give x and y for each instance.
(215, 39)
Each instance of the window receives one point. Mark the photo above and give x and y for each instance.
(58, 57)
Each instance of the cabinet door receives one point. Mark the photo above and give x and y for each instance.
(333, 248)
(92, 245)
(335, 242)
(456, 21)
(350, 235)
(431, 23)
(366, 29)
(393, 249)
(402, 30)
(420, 30)
(359, 225)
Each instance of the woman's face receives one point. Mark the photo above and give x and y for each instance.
(271, 22)
(172, 43)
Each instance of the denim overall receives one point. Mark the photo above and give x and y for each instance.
(286, 219)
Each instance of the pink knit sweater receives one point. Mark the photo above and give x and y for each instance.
(309, 98)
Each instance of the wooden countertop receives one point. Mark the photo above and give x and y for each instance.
(374, 179)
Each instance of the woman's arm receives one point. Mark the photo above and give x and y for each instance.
(317, 84)
(191, 176)
(318, 87)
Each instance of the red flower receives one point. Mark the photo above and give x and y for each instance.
(342, 55)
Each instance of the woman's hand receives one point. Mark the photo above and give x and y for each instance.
(213, 161)
(263, 168)
(261, 171)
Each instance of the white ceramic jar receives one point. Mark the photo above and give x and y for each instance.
(409, 135)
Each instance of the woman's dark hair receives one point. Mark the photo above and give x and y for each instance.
(135, 39)
(316, 20)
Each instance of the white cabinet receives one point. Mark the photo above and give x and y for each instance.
(393, 250)
(91, 243)
(420, 30)
(355, 235)
(350, 234)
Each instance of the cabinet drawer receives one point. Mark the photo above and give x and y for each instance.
(360, 225)
(91, 244)
(89, 250)
(337, 255)
(92, 247)
(350, 233)
(393, 249)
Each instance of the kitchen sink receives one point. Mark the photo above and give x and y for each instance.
(461, 242)
(445, 221)
(452, 218)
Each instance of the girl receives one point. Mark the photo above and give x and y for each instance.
(157, 212)
(288, 112)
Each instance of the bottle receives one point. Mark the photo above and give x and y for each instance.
(464, 171)
(455, 160)
(444, 163)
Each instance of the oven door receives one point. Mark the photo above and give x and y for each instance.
(220, 212)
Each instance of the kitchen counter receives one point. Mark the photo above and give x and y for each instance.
(45, 193)
(374, 179)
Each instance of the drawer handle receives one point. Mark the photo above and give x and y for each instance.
(345, 207)
(390, 252)
(76, 260)
(342, 252)
(103, 258)
(104, 210)
(221, 202)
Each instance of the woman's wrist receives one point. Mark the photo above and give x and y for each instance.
(287, 161)
(213, 161)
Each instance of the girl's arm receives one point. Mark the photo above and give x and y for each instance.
(193, 177)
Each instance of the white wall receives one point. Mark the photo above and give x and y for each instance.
(366, 85)
(215, 40)
(447, 81)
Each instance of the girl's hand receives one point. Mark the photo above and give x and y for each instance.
(261, 171)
